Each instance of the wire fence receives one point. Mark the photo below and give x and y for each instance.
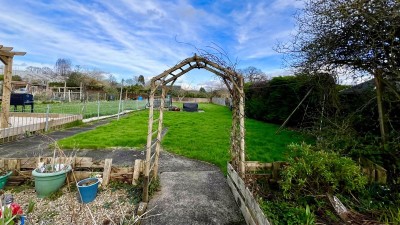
(91, 109)
(222, 101)
(45, 117)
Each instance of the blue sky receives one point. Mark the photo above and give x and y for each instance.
(130, 37)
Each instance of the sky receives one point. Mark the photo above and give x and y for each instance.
(128, 38)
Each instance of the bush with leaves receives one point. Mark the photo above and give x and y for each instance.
(314, 173)
(287, 213)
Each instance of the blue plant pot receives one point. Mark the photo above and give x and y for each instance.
(87, 189)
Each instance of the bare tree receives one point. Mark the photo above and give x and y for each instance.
(129, 82)
(112, 80)
(47, 71)
(95, 74)
(352, 35)
(63, 68)
(252, 74)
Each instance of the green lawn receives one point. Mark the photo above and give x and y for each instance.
(203, 136)
(128, 131)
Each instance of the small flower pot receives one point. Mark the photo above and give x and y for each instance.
(3, 179)
(48, 183)
(87, 189)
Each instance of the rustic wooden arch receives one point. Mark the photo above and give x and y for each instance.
(233, 81)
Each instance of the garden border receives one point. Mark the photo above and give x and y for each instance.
(83, 167)
(250, 208)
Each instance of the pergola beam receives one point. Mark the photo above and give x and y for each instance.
(6, 56)
(6, 48)
(19, 53)
(11, 54)
(178, 75)
(3, 59)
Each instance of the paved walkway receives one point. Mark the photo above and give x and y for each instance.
(192, 192)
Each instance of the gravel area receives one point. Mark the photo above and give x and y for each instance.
(109, 207)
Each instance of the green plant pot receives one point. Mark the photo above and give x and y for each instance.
(47, 183)
(3, 179)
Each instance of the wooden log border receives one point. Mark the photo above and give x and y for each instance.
(83, 167)
(375, 173)
(248, 205)
(250, 208)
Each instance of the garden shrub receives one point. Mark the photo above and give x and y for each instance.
(273, 101)
(287, 213)
(318, 173)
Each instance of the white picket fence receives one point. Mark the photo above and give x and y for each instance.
(53, 116)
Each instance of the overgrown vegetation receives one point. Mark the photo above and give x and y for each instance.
(311, 177)
(319, 172)
(274, 101)
(356, 39)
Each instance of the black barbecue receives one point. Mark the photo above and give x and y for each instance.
(21, 99)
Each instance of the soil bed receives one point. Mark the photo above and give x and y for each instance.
(111, 206)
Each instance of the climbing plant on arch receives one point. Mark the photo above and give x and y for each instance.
(233, 81)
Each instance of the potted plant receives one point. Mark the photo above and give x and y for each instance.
(87, 189)
(4, 174)
(11, 212)
(51, 177)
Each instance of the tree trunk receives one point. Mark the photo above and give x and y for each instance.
(381, 110)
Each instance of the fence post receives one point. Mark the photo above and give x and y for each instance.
(47, 118)
(84, 108)
(120, 98)
(137, 104)
(98, 108)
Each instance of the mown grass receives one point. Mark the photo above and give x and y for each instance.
(204, 136)
(129, 131)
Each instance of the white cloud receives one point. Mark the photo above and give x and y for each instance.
(260, 25)
(130, 38)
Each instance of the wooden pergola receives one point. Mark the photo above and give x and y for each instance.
(6, 56)
(233, 81)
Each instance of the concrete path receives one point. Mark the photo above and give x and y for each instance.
(192, 193)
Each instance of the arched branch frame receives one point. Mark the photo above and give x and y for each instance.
(233, 81)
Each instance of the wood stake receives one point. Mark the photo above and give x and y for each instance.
(107, 171)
